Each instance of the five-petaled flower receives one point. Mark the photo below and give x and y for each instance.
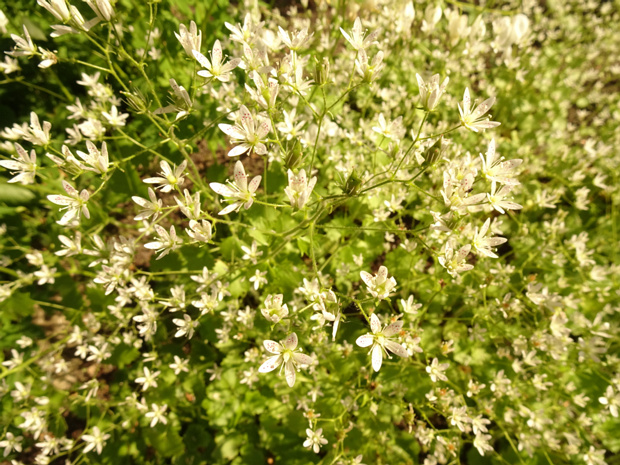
(248, 132)
(315, 439)
(286, 356)
(75, 203)
(379, 285)
(169, 178)
(215, 68)
(240, 191)
(381, 341)
(472, 117)
(25, 165)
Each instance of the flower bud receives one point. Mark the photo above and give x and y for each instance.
(434, 153)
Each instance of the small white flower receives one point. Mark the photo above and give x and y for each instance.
(381, 341)
(11, 442)
(286, 356)
(315, 439)
(169, 178)
(497, 197)
(166, 243)
(75, 203)
(200, 231)
(215, 68)
(240, 191)
(156, 414)
(299, 188)
(149, 379)
(356, 38)
(248, 133)
(149, 208)
(379, 285)
(494, 168)
(190, 39)
(473, 117)
(611, 400)
(186, 326)
(455, 262)
(96, 160)
(436, 369)
(25, 165)
(96, 440)
(484, 244)
(431, 91)
(274, 311)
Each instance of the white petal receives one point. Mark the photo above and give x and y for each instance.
(396, 348)
(365, 340)
(392, 329)
(303, 359)
(375, 324)
(289, 373)
(377, 357)
(291, 341)
(270, 364)
(273, 346)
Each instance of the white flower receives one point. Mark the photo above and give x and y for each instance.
(432, 15)
(611, 400)
(356, 38)
(379, 285)
(295, 40)
(381, 341)
(169, 178)
(391, 130)
(248, 132)
(75, 203)
(453, 262)
(150, 208)
(240, 191)
(36, 134)
(166, 243)
(149, 379)
(409, 305)
(96, 440)
(431, 91)
(274, 311)
(494, 168)
(473, 117)
(181, 102)
(72, 246)
(25, 165)
(199, 231)
(299, 188)
(157, 414)
(115, 118)
(58, 8)
(251, 253)
(286, 356)
(436, 369)
(96, 160)
(102, 8)
(11, 442)
(190, 40)
(23, 47)
(186, 326)
(215, 68)
(484, 244)
(497, 198)
(179, 365)
(315, 439)
(481, 442)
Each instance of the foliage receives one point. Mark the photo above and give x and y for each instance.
(336, 233)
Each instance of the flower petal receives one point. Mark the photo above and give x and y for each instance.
(270, 364)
